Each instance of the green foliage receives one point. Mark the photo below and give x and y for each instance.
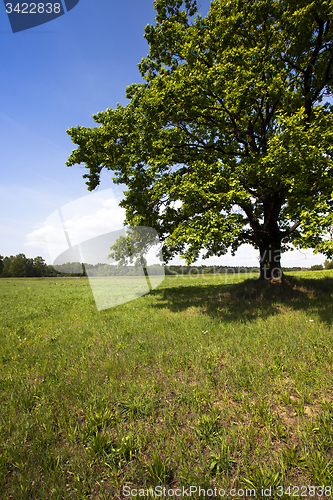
(207, 427)
(100, 444)
(262, 478)
(20, 266)
(221, 460)
(328, 264)
(228, 140)
(317, 267)
(135, 408)
(158, 470)
(291, 457)
(321, 469)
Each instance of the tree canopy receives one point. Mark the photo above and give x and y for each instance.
(228, 138)
(21, 266)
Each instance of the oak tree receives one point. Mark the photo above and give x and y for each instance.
(228, 138)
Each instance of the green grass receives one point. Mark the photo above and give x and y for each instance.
(202, 382)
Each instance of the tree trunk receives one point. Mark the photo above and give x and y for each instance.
(267, 236)
(270, 260)
(143, 262)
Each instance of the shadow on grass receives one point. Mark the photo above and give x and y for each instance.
(251, 299)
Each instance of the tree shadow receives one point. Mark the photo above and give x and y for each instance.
(251, 299)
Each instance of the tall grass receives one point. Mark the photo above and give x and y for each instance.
(202, 382)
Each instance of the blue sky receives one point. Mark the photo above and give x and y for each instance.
(56, 76)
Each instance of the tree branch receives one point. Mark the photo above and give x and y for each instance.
(290, 230)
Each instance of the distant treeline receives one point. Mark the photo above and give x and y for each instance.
(20, 266)
(100, 270)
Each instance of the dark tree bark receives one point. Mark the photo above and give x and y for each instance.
(269, 242)
(267, 235)
(270, 261)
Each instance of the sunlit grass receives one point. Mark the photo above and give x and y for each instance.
(207, 381)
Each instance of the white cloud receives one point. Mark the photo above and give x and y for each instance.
(90, 216)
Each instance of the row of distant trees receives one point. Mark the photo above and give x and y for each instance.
(20, 266)
(328, 264)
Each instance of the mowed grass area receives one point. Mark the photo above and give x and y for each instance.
(202, 382)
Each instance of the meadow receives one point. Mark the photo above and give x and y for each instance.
(222, 383)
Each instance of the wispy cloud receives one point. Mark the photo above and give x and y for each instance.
(90, 216)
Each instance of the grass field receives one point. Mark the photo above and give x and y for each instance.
(200, 383)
